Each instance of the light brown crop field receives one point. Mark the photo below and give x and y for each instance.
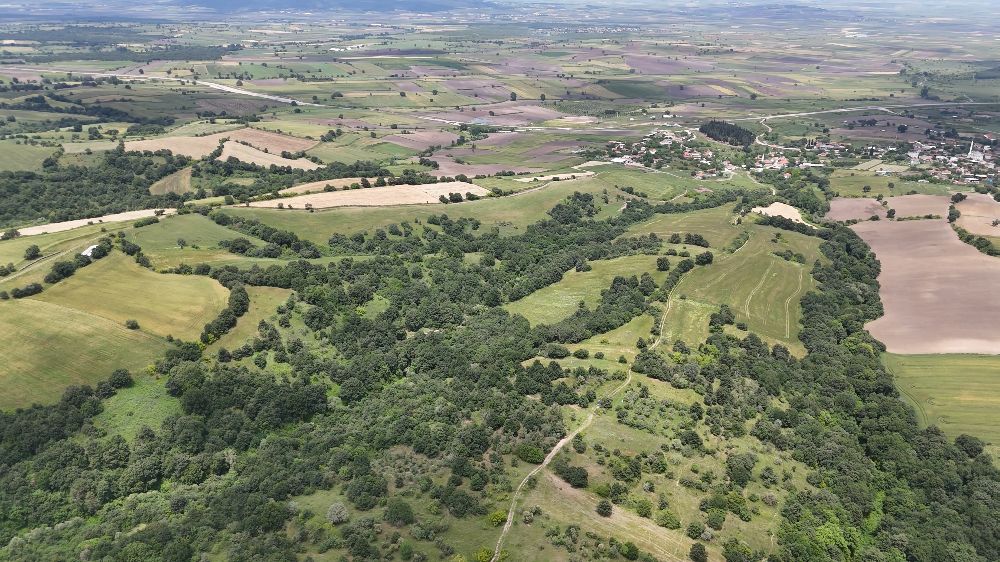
(939, 294)
(376, 196)
(250, 154)
(197, 147)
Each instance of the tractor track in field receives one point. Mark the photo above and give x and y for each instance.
(763, 279)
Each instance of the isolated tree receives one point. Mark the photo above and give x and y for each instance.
(604, 508)
(542, 97)
(513, 96)
(32, 252)
(662, 264)
(337, 513)
(181, 243)
(698, 553)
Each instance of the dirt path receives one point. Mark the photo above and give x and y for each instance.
(562, 443)
(758, 138)
(548, 458)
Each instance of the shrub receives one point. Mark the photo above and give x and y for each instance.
(132, 324)
(604, 508)
(666, 518)
(337, 513)
(399, 513)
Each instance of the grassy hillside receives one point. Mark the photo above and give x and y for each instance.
(117, 289)
(48, 347)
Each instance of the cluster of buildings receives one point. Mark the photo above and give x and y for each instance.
(676, 148)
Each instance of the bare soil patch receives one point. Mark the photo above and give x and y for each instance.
(567, 176)
(939, 294)
(69, 225)
(978, 213)
(376, 196)
(854, 208)
(919, 205)
(252, 155)
(317, 186)
(778, 209)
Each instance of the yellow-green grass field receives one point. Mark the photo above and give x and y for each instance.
(54, 247)
(48, 347)
(958, 393)
(177, 182)
(510, 214)
(200, 234)
(18, 157)
(762, 289)
(264, 301)
(117, 289)
(559, 300)
(851, 183)
(144, 404)
(715, 224)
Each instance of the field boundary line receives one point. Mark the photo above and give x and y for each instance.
(788, 332)
(763, 279)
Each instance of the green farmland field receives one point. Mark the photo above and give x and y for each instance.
(958, 393)
(48, 347)
(117, 289)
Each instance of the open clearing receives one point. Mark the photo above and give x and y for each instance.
(69, 225)
(200, 146)
(375, 196)
(48, 347)
(177, 182)
(264, 301)
(778, 209)
(567, 176)
(940, 295)
(558, 301)
(958, 393)
(509, 214)
(714, 224)
(117, 289)
(978, 213)
(249, 154)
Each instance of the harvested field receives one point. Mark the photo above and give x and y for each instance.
(978, 213)
(376, 196)
(939, 293)
(316, 186)
(919, 205)
(69, 225)
(778, 209)
(250, 154)
(572, 175)
(197, 147)
(857, 208)
(422, 140)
